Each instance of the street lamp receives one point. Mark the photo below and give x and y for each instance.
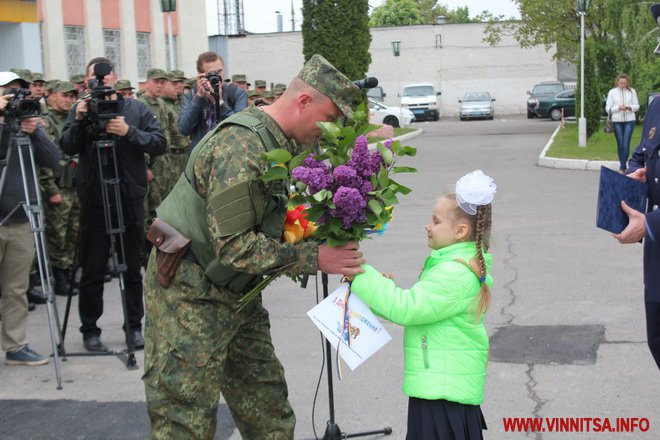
(169, 6)
(396, 47)
(581, 7)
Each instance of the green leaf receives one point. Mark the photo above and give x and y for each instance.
(408, 151)
(375, 207)
(298, 159)
(383, 178)
(321, 195)
(404, 170)
(330, 131)
(397, 187)
(278, 155)
(372, 218)
(275, 173)
(388, 197)
(385, 153)
(396, 147)
(297, 200)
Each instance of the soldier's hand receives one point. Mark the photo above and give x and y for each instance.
(117, 126)
(636, 229)
(55, 200)
(81, 109)
(345, 260)
(29, 125)
(150, 175)
(639, 174)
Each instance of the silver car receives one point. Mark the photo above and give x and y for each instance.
(477, 105)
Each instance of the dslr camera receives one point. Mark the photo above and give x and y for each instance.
(19, 107)
(100, 109)
(214, 79)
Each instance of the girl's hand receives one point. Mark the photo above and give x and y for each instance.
(390, 276)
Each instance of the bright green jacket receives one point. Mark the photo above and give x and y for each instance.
(445, 350)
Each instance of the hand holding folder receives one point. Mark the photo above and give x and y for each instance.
(614, 188)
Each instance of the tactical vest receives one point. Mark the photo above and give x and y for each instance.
(185, 210)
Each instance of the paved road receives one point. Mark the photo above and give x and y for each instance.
(566, 319)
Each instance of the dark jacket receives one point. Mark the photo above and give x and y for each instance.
(194, 110)
(144, 136)
(647, 154)
(46, 154)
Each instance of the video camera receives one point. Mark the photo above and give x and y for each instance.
(100, 109)
(19, 107)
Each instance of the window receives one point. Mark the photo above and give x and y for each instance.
(144, 54)
(167, 51)
(112, 46)
(74, 47)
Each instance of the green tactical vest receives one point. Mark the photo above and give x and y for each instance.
(185, 210)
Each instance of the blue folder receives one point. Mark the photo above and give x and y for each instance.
(613, 188)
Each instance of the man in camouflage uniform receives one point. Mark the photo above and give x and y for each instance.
(197, 344)
(278, 91)
(78, 80)
(253, 95)
(240, 80)
(124, 87)
(62, 207)
(260, 86)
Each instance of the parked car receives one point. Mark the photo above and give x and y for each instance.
(477, 105)
(551, 107)
(380, 113)
(376, 93)
(543, 89)
(422, 100)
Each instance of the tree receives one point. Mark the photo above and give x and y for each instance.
(338, 30)
(593, 96)
(397, 13)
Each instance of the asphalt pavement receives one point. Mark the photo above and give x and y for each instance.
(566, 318)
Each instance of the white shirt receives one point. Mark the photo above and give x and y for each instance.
(618, 96)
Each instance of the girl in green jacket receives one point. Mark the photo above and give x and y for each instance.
(445, 342)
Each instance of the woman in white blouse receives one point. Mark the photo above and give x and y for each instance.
(621, 105)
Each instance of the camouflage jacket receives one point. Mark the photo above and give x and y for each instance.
(171, 109)
(232, 156)
(49, 182)
(156, 107)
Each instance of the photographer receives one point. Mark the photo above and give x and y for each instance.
(198, 111)
(135, 132)
(16, 241)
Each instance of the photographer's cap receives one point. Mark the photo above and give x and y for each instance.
(123, 84)
(156, 74)
(655, 10)
(239, 77)
(8, 77)
(324, 77)
(65, 87)
(260, 83)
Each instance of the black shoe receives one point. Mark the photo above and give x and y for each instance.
(94, 343)
(31, 306)
(62, 285)
(135, 336)
(35, 296)
(107, 278)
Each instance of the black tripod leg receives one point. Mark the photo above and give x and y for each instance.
(332, 431)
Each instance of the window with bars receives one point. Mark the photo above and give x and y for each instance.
(167, 49)
(74, 47)
(144, 54)
(112, 47)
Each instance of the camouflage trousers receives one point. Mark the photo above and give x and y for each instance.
(62, 228)
(167, 169)
(196, 347)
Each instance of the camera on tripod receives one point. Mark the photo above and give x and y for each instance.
(214, 79)
(19, 107)
(100, 109)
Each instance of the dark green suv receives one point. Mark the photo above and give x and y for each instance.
(554, 106)
(543, 89)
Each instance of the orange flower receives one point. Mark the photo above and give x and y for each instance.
(296, 226)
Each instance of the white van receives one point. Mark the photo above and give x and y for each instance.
(422, 100)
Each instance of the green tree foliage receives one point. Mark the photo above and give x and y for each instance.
(409, 12)
(338, 30)
(593, 94)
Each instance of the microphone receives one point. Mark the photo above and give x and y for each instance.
(368, 83)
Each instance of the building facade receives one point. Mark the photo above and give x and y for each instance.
(454, 57)
(133, 34)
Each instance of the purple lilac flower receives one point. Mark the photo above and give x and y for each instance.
(350, 206)
(344, 175)
(365, 188)
(361, 157)
(310, 162)
(316, 179)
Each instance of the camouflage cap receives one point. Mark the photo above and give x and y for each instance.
(239, 77)
(51, 83)
(268, 94)
(324, 77)
(123, 84)
(253, 93)
(24, 74)
(64, 87)
(278, 89)
(190, 82)
(178, 75)
(156, 74)
(37, 76)
(77, 78)
(260, 83)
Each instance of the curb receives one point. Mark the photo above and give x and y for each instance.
(572, 164)
(403, 137)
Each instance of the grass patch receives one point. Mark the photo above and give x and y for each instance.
(600, 146)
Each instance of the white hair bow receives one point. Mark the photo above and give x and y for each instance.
(474, 189)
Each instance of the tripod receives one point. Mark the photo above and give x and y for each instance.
(115, 228)
(332, 431)
(20, 141)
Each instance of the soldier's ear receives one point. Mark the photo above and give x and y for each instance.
(304, 100)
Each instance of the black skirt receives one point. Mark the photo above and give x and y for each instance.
(444, 420)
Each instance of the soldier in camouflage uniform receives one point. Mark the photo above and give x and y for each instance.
(260, 86)
(62, 207)
(253, 95)
(171, 164)
(197, 344)
(157, 171)
(78, 80)
(124, 87)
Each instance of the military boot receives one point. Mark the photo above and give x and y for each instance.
(62, 285)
